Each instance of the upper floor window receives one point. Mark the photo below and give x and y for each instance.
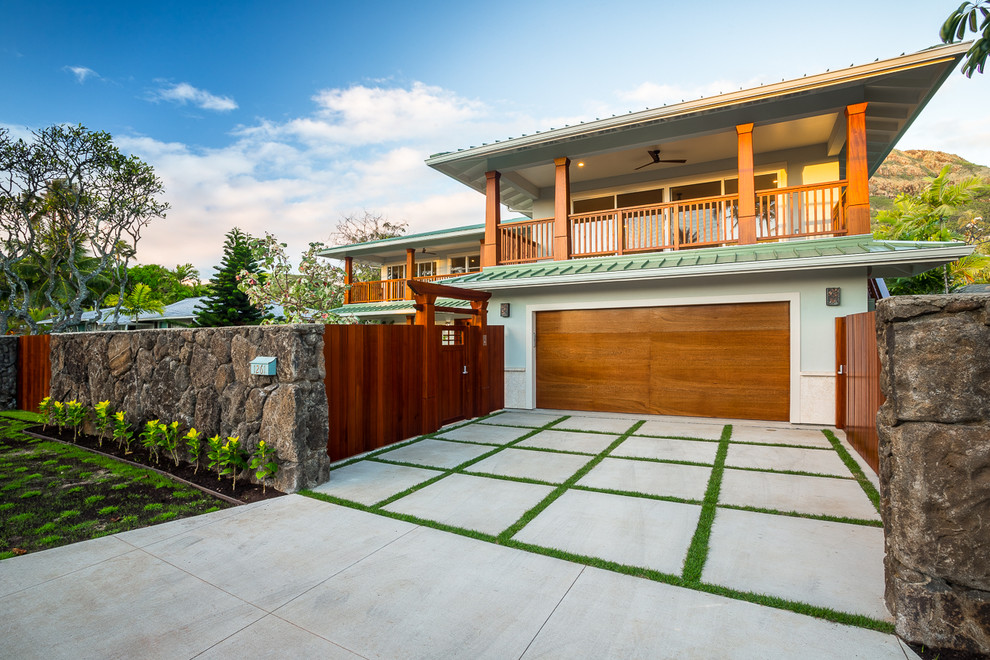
(426, 268)
(465, 264)
(395, 272)
(618, 200)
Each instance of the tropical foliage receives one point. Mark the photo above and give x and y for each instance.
(72, 208)
(973, 17)
(936, 214)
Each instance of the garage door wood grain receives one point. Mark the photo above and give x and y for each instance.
(702, 361)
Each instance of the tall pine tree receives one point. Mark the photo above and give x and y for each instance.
(226, 305)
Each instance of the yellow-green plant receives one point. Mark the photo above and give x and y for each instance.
(265, 462)
(168, 438)
(214, 454)
(103, 421)
(193, 441)
(149, 438)
(46, 409)
(75, 415)
(58, 416)
(234, 458)
(122, 433)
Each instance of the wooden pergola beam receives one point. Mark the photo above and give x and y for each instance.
(422, 288)
(448, 310)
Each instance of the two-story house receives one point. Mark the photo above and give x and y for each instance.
(689, 259)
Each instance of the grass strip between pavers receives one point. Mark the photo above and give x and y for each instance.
(697, 553)
(853, 466)
(562, 488)
(457, 468)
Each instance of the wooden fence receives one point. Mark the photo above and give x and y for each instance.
(34, 370)
(375, 385)
(857, 393)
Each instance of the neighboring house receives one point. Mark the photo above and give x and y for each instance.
(181, 314)
(684, 260)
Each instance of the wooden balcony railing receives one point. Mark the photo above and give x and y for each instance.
(798, 211)
(530, 240)
(384, 290)
(794, 212)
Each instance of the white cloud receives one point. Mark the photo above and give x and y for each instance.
(183, 93)
(81, 73)
(360, 114)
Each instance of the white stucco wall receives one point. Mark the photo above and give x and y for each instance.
(812, 323)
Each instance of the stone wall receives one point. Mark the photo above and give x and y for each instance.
(935, 467)
(8, 372)
(201, 378)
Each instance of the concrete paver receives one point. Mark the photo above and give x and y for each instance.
(22, 572)
(486, 434)
(681, 429)
(666, 479)
(369, 482)
(132, 605)
(596, 424)
(588, 443)
(628, 530)
(609, 615)
(291, 522)
(786, 458)
(528, 464)
(665, 449)
(832, 564)
(436, 595)
(780, 436)
(272, 637)
(478, 503)
(799, 493)
(522, 418)
(435, 453)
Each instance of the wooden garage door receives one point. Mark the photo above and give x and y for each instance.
(696, 360)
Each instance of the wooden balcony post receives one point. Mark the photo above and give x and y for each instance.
(348, 268)
(562, 209)
(493, 219)
(857, 174)
(410, 269)
(747, 185)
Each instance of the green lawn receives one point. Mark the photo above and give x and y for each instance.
(53, 494)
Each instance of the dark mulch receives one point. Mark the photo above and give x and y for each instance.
(245, 493)
(928, 653)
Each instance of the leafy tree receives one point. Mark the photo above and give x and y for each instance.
(169, 286)
(141, 299)
(364, 228)
(934, 215)
(306, 296)
(72, 207)
(226, 304)
(974, 16)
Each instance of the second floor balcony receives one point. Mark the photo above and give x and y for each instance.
(387, 290)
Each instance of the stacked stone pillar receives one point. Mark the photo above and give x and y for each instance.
(935, 467)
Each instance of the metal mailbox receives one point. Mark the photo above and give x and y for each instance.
(263, 366)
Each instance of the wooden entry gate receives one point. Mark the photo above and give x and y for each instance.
(387, 383)
(857, 384)
(34, 370)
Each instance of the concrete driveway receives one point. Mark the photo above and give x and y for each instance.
(526, 534)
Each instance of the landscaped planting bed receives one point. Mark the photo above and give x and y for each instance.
(53, 494)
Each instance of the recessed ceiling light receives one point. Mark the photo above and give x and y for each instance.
(581, 164)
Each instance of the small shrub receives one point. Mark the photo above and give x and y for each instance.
(104, 421)
(75, 415)
(149, 437)
(265, 462)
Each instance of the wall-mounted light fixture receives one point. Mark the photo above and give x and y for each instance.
(503, 310)
(833, 296)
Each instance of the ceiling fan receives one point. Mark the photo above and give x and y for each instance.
(655, 155)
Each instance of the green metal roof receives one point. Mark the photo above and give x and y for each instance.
(818, 253)
(395, 306)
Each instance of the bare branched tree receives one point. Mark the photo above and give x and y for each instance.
(72, 207)
(361, 229)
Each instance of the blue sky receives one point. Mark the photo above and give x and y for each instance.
(286, 116)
